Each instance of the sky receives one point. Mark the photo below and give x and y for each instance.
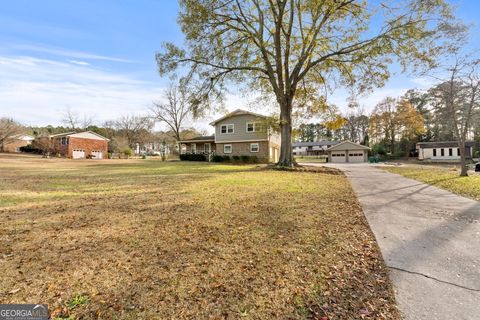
(96, 58)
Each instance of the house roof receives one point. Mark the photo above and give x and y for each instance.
(315, 143)
(83, 134)
(237, 112)
(443, 144)
(199, 139)
(348, 145)
(23, 137)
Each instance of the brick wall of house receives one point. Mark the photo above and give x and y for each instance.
(14, 145)
(88, 145)
(58, 147)
(243, 149)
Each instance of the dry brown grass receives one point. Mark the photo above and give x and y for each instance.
(141, 239)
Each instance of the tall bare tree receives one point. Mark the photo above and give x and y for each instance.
(74, 121)
(8, 129)
(134, 129)
(460, 96)
(175, 111)
(294, 50)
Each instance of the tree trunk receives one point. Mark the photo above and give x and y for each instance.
(463, 159)
(286, 156)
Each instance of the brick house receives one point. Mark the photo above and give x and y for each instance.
(239, 133)
(80, 145)
(13, 144)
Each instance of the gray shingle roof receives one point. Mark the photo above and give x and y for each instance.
(200, 138)
(443, 144)
(315, 143)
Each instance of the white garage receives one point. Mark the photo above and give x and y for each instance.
(347, 152)
(97, 155)
(78, 154)
(338, 157)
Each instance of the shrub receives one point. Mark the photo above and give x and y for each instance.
(193, 157)
(249, 159)
(476, 154)
(218, 158)
(379, 149)
(127, 152)
(30, 149)
(236, 158)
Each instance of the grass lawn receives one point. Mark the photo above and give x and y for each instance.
(310, 159)
(142, 239)
(443, 177)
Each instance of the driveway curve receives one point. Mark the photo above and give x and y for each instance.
(429, 238)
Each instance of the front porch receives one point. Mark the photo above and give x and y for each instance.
(199, 145)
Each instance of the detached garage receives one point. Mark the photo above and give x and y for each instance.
(347, 152)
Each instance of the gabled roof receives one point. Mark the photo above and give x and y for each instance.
(348, 145)
(237, 112)
(315, 143)
(83, 134)
(443, 144)
(23, 137)
(199, 139)
(61, 134)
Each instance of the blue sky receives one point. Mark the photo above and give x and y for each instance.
(96, 57)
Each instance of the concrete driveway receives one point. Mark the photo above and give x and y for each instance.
(429, 238)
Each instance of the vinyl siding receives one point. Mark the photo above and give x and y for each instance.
(240, 129)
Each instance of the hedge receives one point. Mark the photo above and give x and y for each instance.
(30, 149)
(239, 159)
(193, 157)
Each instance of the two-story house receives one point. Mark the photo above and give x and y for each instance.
(236, 134)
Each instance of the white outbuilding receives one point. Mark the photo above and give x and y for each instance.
(348, 152)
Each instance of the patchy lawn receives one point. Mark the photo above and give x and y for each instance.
(443, 177)
(142, 239)
(311, 159)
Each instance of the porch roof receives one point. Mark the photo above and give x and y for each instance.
(199, 139)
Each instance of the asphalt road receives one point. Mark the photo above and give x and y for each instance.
(430, 240)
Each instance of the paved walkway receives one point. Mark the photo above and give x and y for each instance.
(430, 240)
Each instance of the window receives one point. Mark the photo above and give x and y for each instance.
(434, 152)
(64, 141)
(458, 151)
(442, 152)
(254, 147)
(227, 148)
(194, 148)
(450, 152)
(226, 128)
(206, 147)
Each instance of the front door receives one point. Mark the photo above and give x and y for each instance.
(207, 148)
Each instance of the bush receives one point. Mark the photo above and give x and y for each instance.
(30, 149)
(249, 159)
(236, 158)
(379, 149)
(476, 154)
(127, 152)
(193, 157)
(218, 158)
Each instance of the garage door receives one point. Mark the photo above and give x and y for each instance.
(356, 156)
(339, 157)
(78, 154)
(97, 155)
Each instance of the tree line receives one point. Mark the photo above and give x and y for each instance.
(125, 132)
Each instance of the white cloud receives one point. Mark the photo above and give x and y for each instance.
(37, 91)
(80, 63)
(67, 53)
